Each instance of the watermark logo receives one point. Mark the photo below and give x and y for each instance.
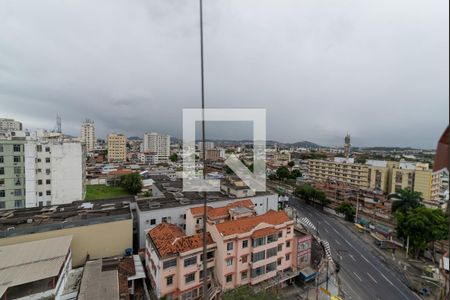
(193, 180)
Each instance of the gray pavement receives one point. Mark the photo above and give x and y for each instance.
(362, 274)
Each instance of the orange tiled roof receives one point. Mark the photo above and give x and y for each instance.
(223, 211)
(264, 232)
(247, 224)
(170, 239)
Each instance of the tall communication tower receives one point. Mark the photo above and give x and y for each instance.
(347, 146)
(58, 123)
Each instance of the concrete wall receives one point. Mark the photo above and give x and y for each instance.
(99, 240)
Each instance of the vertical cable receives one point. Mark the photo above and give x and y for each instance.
(205, 235)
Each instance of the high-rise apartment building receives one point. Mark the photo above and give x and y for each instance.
(117, 147)
(10, 125)
(54, 172)
(12, 173)
(88, 135)
(158, 144)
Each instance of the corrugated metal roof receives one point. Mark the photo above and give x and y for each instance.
(31, 261)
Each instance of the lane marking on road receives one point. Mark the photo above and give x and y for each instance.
(348, 243)
(365, 258)
(352, 257)
(326, 230)
(372, 278)
(327, 223)
(335, 230)
(357, 276)
(339, 243)
(385, 278)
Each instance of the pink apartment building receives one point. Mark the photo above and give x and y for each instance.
(243, 248)
(174, 262)
(254, 249)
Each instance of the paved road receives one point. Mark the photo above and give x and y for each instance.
(362, 274)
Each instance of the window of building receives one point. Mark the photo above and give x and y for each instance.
(1, 160)
(39, 148)
(17, 170)
(1, 148)
(2, 204)
(280, 247)
(16, 148)
(229, 261)
(258, 256)
(2, 193)
(189, 278)
(38, 160)
(209, 255)
(39, 182)
(2, 182)
(244, 258)
(244, 275)
(271, 252)
(40, 194)
(47, 159)
(190, 261)
(229, 246)
(2, 171)
(17, 159)
(17, 192)
(47, 149)
(271, 267)
(304, 246)
(280, 234)
(258, 271)
(48, 181)
(48, 193)
(47, 171)
(164, 219)
(272, 238)
(18, 203)
(288, 230)
(288, 244)
(279, 261)
(245, 244)
(152, 221)
(288, 256)
(169, 280)
(169, 263)
(229, 278)
(259, 242)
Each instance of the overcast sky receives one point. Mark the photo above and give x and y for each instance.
(377, 69)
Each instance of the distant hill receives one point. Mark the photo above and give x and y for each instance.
(305, 144)
(134, 138)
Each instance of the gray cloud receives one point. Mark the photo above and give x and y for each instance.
(378, 69)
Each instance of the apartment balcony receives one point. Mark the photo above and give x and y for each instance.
(275, 280)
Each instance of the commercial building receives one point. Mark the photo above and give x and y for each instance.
(10, 125)
(35, 270)
(99, 229)
(117, 147)
(88, 135)
(415, 176)
(54, 172)
(158, 144)
(208, 146)
(12, 172)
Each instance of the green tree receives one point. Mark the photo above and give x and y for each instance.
(173, 157)
(405, 200)
(246, 293)
(132, 183)
(305, 192)
(348, 210)
(321, 197)
(423, 226)
(283, 172)
(294, 174)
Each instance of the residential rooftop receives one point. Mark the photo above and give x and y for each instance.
(169, 239)
(244, 225)
(238, 207)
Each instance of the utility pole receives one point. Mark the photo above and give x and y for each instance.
(407, 246)
(357, 206)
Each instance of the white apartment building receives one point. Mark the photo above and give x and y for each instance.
(158, 144)
(88, 135)
(10, 125)
(54, 172)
